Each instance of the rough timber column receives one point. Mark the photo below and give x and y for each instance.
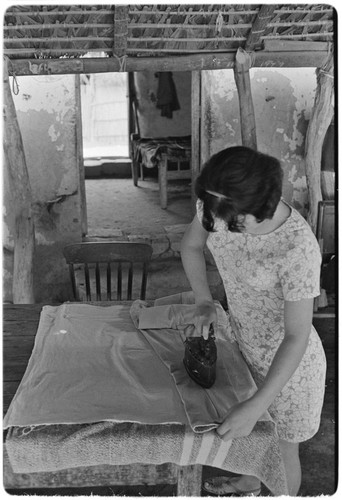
(321, 117)
(243, 84)
(242, 79)
(24, 234)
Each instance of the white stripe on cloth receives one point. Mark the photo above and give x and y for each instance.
(188, 442)
(221, 453)
(206, 444)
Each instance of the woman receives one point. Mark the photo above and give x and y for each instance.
(269, 262)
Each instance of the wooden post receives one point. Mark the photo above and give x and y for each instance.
(189, 481)
(243, 84)
(79, 156)
(320, 120)
(24, 236)
(195, 133)
(162, 179)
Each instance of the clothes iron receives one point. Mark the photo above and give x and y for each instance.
(200, 359)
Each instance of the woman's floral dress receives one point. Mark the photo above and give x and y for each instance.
(259, 273)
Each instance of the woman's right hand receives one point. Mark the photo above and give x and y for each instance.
(205, 315)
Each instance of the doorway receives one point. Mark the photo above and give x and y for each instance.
(113, 204)
(105, 126)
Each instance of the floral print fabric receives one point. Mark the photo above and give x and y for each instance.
(260, 272)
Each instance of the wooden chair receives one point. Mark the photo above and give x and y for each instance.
(325, 233)
(96, 260)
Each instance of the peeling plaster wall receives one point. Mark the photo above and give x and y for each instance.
(151, 123)
(46, 113)
(283, 101)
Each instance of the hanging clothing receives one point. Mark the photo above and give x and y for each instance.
(167, 99)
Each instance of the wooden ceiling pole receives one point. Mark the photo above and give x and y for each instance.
(24, 234)
(285, 58)
(242, 77)
(120, 30)
(259, 25)
(322, 115)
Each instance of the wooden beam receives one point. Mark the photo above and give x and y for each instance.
(193, 62)
(243, 84)
(120, 30)
(259, 25)
(24, 235)
(274, 45)
(322, 114)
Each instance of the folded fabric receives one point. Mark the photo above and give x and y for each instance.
(187, 297)
(177, 311)
(179, 317)
(52, 448)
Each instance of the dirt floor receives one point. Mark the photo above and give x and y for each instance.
(114, 204)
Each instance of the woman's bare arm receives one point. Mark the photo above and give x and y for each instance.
(192, 253)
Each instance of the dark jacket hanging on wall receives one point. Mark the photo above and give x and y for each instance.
(167, 99)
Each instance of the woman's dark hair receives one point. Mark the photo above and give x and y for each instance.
(250, 182)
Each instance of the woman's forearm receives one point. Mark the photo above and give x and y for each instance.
(195, 269)
(192, 253)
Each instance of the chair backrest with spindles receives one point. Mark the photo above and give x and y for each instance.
(97, 262)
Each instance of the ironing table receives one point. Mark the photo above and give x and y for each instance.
(20, 323)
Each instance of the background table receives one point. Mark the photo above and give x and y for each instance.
(161, 152)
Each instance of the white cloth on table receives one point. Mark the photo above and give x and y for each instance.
(89, 363)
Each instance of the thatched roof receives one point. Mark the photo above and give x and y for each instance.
(60, 31)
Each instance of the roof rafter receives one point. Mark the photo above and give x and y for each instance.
(120, 30)
(259, 26)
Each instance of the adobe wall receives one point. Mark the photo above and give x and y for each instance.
(152, 124)
(283, 101)
(46, 110)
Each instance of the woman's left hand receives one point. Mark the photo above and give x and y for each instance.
(240, 420)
